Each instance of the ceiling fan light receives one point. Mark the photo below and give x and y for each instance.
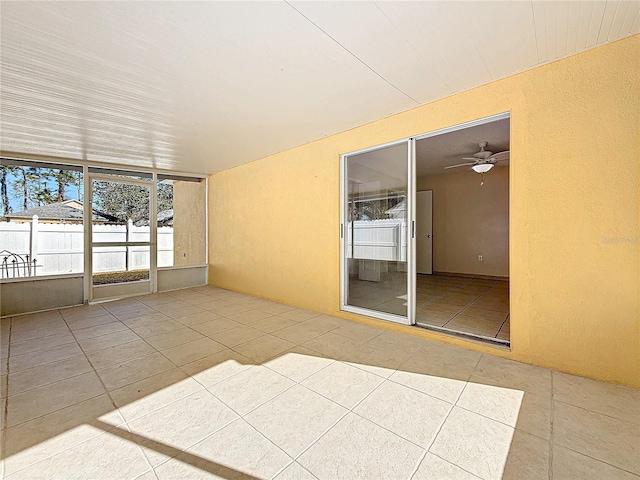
(482, 168)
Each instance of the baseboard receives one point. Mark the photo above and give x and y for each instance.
(473, 275)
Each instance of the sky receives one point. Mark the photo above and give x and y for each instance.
(15, 198)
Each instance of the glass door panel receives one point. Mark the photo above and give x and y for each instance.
(120, 237)
(375, 239)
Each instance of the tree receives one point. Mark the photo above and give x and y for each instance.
(23, 184)
(4, 172)
(129, 202)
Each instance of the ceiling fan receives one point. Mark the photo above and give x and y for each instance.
(484, 160)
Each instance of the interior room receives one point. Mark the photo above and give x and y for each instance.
(462, 229)
(212, 240)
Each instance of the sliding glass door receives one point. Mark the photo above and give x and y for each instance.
(376, 232)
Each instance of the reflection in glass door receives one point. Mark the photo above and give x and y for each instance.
(375, 232)
(121, 247)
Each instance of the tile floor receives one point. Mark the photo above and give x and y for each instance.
(467, 305)
(207, 383)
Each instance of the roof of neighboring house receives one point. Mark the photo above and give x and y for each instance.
(67, 210)
(165, 219)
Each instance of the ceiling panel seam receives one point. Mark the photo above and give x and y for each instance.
(353, 55)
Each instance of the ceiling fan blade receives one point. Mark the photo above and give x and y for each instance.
(500, 156)
(460, 165)
(474, 159)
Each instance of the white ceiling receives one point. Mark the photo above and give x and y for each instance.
(204, 86)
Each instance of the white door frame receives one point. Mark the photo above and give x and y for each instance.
(411, 219)
(89, 178)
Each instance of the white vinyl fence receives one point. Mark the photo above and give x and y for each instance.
(59, 248)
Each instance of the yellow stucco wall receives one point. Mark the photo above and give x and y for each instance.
(574, 212)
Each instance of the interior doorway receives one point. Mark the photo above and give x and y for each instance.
(462, 231)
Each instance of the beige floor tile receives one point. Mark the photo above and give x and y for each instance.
(358, 331)
(236, 336)
(40, 401)
(276, 308)
(598, 436)
(47, 374)
(91, 459)
(516, 375)
(435, 468)
(117, 376)
(18, 363)
(231, 309)
(528, 458)
(98, 330)
(295, 419)
(178, 312)
(82, 323)
(613, 400)
(295, 471)
(22, 335)
(180, 425)
(139, 310)
(174, 338)
(81, 312)
(119, 353)
(432, 317)
(213, 304)
(498, 403)
(474, 443)
(218, 325)
(273, 323)
(198, 318)
(140, 398)
(457, 298)
(474, 325)
(327, 322)
(250, 388)
(157, 328)
(250, 316)
(106, 341)
(21, 348)
(356, 448)
(195, 298)
(261, 349)
(155, 299)
(299, 315)
(3, 387)
(332, 345)
(145, 320)
(298, 363)
(388, 405)
(516, 408)
(45, 436)
(343, 383)
(440, 305)
(570, 465)
(488, 314)
(192, 351)
(381, 361)
(252, 457)
(217, 367)
(299, 333)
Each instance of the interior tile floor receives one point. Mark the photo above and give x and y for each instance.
(467, 305)
(208, 383)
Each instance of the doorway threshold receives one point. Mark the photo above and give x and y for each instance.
(495, 342)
